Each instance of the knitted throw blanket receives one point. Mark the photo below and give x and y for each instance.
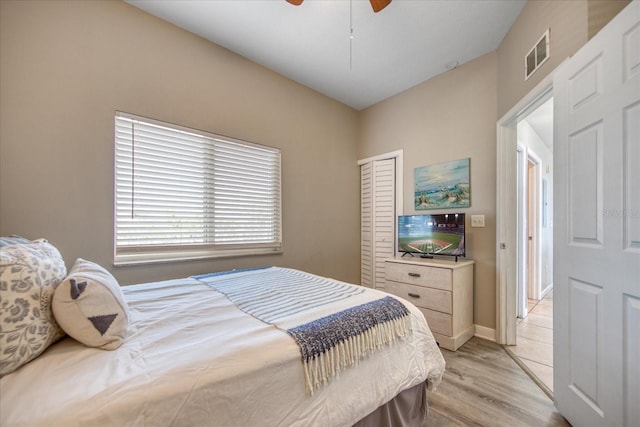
(340, 340)
(330, 343)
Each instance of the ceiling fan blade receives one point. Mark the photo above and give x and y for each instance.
(378, 5)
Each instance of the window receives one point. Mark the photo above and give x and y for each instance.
(186, 194)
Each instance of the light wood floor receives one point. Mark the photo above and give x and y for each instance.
(483, 386)
(534, 341)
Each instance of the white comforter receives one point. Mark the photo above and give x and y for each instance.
(193, 359)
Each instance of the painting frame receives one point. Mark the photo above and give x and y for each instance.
(444, 185)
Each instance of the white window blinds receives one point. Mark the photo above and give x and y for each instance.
(184, 194)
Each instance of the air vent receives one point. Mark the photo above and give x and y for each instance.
(538, 54)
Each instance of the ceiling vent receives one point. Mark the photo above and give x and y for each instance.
(538, 54)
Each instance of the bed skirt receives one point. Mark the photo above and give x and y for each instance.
(407, 409)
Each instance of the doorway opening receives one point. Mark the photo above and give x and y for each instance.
(534, 303)
(521, 264)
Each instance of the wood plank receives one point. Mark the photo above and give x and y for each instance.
(536, 333)
(483, 386)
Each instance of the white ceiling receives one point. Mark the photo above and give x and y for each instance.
(541, 121)
(408, 42)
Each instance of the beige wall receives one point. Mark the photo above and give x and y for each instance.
(571, 24)
(454, 116)
(449, 117)
(600, 12)
(567, 24)
(66, 67)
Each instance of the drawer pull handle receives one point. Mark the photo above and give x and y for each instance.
(414, 295)
(414, 274)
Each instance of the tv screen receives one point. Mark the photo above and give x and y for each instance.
(439, 234)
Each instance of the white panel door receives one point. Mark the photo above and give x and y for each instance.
(597, 228)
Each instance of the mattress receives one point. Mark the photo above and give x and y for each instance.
(192, 357)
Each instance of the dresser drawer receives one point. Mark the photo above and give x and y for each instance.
(420, 275)
(438, 322)
(441, 289)
(421, 296)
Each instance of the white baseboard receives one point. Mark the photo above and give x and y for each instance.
(546, 291)
(485, 333)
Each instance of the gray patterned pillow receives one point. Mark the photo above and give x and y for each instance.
(29, 274)
(13, 240)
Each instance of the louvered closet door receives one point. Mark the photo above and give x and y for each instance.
(366, 225)
(378, 217)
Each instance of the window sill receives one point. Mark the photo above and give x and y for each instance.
(157, 257)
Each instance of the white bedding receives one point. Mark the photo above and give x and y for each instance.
(192, 359)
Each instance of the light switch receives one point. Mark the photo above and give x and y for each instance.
(477, 220)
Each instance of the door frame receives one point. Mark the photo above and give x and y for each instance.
(521, 284)
(528, 253)
(534, 177)
(506, 204)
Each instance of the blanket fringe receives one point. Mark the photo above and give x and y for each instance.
(321, 368)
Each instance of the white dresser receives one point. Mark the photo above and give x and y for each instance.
(441, 289)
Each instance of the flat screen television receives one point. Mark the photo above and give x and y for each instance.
(429, 235)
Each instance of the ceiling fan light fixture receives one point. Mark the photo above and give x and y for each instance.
(295, 2)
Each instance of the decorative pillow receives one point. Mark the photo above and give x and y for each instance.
(90, 307)
(13, 240)
(29, 274)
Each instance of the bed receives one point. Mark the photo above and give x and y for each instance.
(201, 351)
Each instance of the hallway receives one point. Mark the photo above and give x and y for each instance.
(534, 346)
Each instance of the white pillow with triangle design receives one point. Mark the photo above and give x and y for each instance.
(90, 307)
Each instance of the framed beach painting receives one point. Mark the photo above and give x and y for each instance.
(442, 186)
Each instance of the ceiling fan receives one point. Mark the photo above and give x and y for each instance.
(377, 5)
